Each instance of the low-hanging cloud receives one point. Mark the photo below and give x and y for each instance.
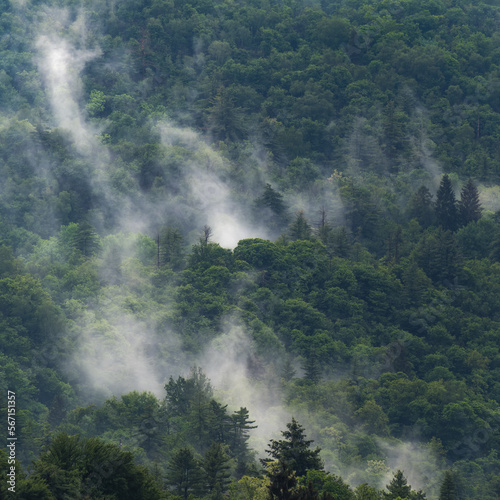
(60, 64)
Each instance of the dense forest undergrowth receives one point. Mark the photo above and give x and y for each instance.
(217, 217)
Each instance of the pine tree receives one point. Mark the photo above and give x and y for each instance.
(311, 368)
(241, 426)
(420, 207)
(221, 424)
(295, 450)
(183, 472)
(216, 468)
(469, 206)
(398, 487)
(300, 228)
(446, 205)
(181, 392)
(170, 248)
(448, 490)
(271, 210)
(86, 239)
(287, 371)
(282, 481)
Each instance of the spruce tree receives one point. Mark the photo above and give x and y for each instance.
(295, 450)
(282, 481)
(170, 248)
(300, 228)
(448, 490)
(446, 205)
(183, 472)
(241, 425)
(420, 207)
(469, 206)
(216, 468)
(398, 487)
(270, 209)
(311, 368)
(287, 371)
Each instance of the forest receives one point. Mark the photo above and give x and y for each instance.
(250, 250)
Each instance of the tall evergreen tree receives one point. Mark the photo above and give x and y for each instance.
(183, 472)
(300, 228)
(469, 206)
(170, 248)
(448, 490)
(241, 425)
(295, 450)
(311, 368)
(216, 468)
(283, 481)
(398, 487)
(446, 205)
(271, 210)
(180, 393)
(438, 255)
(420, 207)
(287, 371)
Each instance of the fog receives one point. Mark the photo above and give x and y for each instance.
(124, 345)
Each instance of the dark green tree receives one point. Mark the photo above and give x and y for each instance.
(446, 205)
(438, 255)
(469, 205)
(73, 467)
(448, 490)
(420, 207)
(294, 450)
(224, 119)
(311, 368)
(241, 427)
(221, 424)
(271, 210)
(399, 488)
(184, 473)
(182, 392)
(86, 239)
(216, 468)
(287, 371)
(300, 228)
(170, 251)
(282, 481)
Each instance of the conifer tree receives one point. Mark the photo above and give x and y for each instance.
(420, 207)
(282, 481)
(398, 487)
(287, 372)
(241, 425)
(295, 450)
(270, 209)
(311, 369)
(448, 490)
(300, 228)
(446, 205)
(183, 472)
(216, 468)
(170, 248)
(469, 206)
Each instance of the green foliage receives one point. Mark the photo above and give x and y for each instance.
(72, 467)
(389, 303)
(446, 206)
(293, 451)
(183, 472)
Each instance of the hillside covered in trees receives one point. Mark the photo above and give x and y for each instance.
(250, 249)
